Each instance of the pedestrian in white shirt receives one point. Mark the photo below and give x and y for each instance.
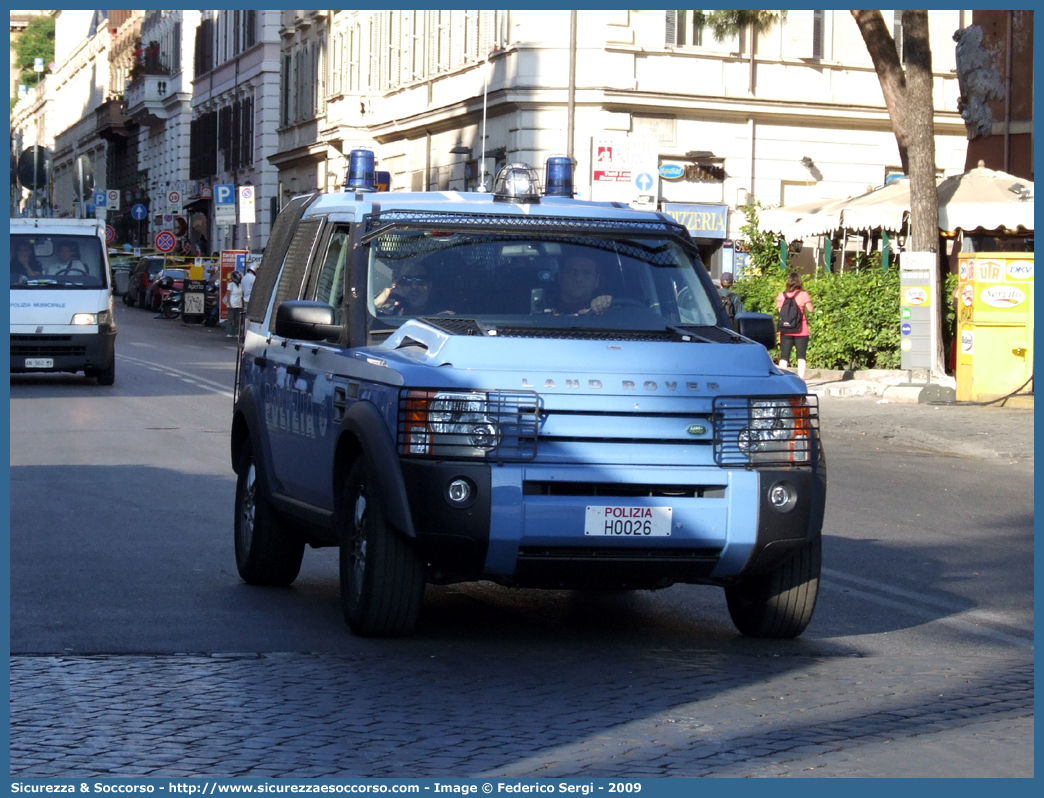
(234, 303)
(248, 283)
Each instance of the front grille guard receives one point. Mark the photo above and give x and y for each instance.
(513, 418)
(748, 434)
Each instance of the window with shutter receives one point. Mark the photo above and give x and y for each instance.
(817, 34)
(285, 104)
(671, 27)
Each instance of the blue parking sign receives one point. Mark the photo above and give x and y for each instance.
(224, 194)
(99, 199)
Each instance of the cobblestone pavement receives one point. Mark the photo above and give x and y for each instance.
(664, 713)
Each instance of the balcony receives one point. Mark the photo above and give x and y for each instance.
(144, 100)
(110, 123)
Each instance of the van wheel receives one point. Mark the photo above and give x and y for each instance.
(382, 577)
(779, 603)
(105, 376)
(266, 552)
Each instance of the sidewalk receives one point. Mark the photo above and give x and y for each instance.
(889, 385)
(877, 404)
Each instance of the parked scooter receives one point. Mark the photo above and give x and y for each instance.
(171, 305)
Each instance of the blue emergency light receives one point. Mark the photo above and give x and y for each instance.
(362, 171)
(558, 176)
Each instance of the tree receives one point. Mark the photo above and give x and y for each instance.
(908, 97)
(36, 41)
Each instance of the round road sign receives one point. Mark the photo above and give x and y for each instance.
(110, 234)
(174, 198)
(139, 212)
(165, 241)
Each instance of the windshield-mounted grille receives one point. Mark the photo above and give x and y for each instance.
(512, 222)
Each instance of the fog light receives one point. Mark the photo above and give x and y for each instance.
(782, 497)
(459, 490)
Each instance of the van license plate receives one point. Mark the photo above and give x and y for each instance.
(39, 363)
(628, 522)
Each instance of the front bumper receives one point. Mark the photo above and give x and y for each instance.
(69, 349)
(525, 524)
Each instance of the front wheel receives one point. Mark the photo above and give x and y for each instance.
(779, 603)
(266, 552)
(169, 310)
(382, 576)
(105, 376)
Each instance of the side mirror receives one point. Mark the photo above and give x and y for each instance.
(758, 327)
(306, 320)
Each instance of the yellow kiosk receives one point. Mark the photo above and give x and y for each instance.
(994, 324)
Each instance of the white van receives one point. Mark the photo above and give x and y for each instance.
(61, 298)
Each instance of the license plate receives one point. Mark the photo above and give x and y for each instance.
(628, 522)
(39, 363)
(193, 304)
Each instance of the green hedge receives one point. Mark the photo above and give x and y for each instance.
(856, 320)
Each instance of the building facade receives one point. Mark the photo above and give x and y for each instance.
(235, 108)
(446, 97)
(158, 99)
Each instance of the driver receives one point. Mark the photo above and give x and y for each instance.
(66, 261)
(578, 288)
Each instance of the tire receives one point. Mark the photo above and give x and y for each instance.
(382, 576)
(266, 552)
(170, 311)
(128, 299)
(780, 603)
(105, 376)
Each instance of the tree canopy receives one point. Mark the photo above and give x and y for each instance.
(36, 41)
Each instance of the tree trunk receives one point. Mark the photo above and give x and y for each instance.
(881, 46)
(920, 125)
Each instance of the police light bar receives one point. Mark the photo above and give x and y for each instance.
(362, 171)
(558, 176)
(517, 182)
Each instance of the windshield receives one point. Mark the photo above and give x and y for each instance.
(57, 261)
(536, 281)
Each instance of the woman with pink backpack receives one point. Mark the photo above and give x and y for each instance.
(793, 304)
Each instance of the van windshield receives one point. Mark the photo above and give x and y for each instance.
(57, 261)
(639, 283)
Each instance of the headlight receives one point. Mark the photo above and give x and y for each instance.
(450, 424)
(769, 431)
(84, 319)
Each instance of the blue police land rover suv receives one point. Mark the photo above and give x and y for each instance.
(517, 387)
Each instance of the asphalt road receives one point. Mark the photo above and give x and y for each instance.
(124, 587)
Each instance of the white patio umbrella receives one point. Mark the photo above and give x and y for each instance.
(979, 198)
(987, 199)
(807, 219)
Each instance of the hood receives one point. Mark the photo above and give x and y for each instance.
(51, 307)
(560, 364)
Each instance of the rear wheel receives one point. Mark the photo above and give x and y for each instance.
(266, 552)
(382, 576)
(779, 603)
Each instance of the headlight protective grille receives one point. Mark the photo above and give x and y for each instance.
(450, 424)
(753, 431)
